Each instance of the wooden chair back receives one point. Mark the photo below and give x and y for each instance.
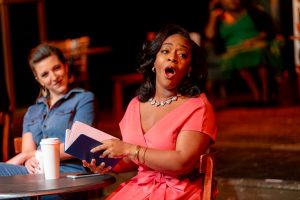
(120, 82)
(5, 121)
(18, 144)
(207, 168)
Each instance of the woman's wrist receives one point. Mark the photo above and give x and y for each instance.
(143, 159)
(22, 158)
(133, 152)
(138, 153)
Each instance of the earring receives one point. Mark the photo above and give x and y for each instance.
(71, 79)
(43, 88)
(44, 91)
(153, 69)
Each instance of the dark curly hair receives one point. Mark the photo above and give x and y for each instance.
(191, 85)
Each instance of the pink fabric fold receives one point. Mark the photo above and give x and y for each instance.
(158, 179)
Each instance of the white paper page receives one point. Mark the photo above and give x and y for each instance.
(67, 138)
(82, 128)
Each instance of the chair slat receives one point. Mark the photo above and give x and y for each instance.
(207, 167)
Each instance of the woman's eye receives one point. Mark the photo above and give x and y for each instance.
(164, 51)
(44, 75)
(57, 67)
(183, 55)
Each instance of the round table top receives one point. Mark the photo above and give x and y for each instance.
(37, 185)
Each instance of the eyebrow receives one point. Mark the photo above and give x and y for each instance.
(171, 44)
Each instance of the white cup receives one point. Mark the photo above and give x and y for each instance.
(51, 160)
(39, 157)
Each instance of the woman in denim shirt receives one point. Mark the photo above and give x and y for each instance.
(58, 106)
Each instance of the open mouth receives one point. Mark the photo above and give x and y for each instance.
(170, 72)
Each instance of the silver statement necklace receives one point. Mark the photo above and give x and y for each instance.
(169, 100)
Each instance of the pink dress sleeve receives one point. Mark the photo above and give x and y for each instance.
(202, 119)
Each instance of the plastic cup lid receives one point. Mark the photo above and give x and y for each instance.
(49, 141)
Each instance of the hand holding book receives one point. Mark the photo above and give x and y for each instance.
(81, 138)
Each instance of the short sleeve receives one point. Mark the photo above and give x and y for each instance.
(86, 108)
(202, 120)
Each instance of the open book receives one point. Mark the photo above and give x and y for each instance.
(82, 138)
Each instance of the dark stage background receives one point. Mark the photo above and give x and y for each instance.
(121, 25)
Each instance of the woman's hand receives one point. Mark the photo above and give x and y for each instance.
(101, 169)
(249, 43)
(215, 14)
(112, 148)
(252, 41)
(32, 165)
(115, 148)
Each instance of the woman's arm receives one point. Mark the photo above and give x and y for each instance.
(214, 15)
(28, 150)
(250, 42)
(62, 154)
(211, 26)
(189, 146)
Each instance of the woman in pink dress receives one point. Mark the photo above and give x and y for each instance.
(167, 126)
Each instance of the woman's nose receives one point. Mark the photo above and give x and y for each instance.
(172, 59)
(53, 76)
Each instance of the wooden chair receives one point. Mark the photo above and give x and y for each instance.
(207, 168)
(5, 124)
(18, 144)
(121, 81)
(76, 51)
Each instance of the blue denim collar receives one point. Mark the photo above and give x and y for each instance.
(66, 96)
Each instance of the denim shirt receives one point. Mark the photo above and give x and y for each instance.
(42, 122)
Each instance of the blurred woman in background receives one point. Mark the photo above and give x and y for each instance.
(246, 32)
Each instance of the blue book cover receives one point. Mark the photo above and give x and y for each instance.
(81, 147)
(81, 138)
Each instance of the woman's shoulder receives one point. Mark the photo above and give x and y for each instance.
(35, 109)
(201, 99)
(205, 101)
(201, 102)
(133, 102)
(81, 92)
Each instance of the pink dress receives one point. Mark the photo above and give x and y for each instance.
(195, 114)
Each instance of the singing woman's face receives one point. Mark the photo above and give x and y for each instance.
(52, 74)
(172, 61)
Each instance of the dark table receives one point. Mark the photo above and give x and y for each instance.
(36, 185)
